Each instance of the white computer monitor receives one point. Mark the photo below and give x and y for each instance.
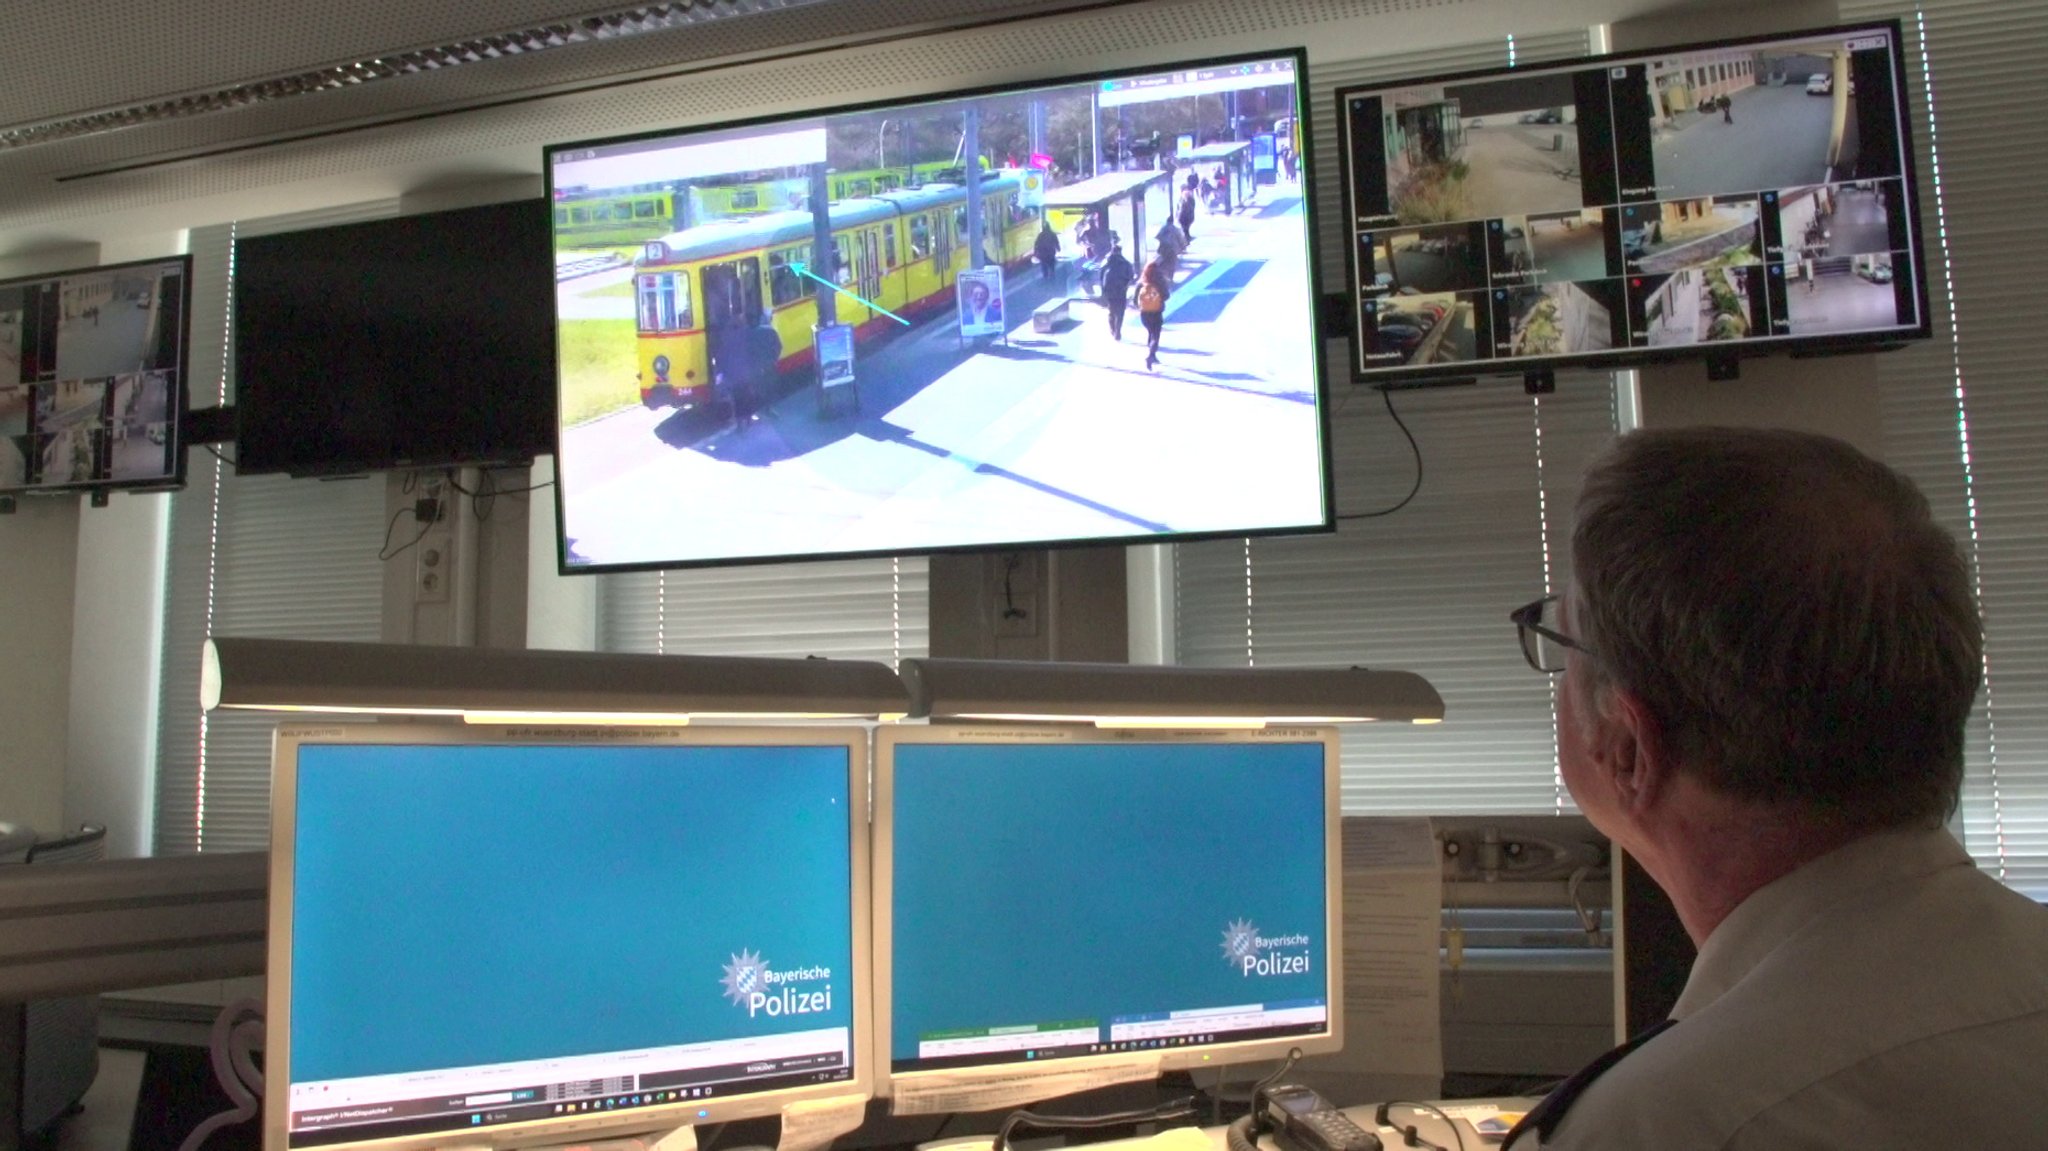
(516, 937)
(1061, 897)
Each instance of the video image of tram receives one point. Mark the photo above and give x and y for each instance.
(918, 327)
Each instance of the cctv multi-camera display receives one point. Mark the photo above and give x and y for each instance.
(483, 934)
(1726, 198)
(915, 327)
(92, 378)
(1046, 896)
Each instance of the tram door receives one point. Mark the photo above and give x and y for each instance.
(943, 240)
(870, 266)
(732, 293)
(732, 305)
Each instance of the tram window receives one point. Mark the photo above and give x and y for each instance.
(561, 216)
(745, 199)
(858, 188)
(920, 237)
(665, 302)
(887, 183)
(580, 215)
(643, 209)
(844, 273)
(784, 285)
(601, 212)
(889, 247)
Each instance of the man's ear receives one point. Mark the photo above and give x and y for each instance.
(1634, 750)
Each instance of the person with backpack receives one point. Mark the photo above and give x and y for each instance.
(1117, 274)
(1153, 290)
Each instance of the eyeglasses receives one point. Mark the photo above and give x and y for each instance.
(1541, 629)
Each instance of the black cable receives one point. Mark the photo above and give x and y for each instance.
(1183, 1108)
(386, 552)
(1286, 1065)
(215, 453)
(1408, 1133)
(1243, 1132)
(495, 490)
(1414, 448)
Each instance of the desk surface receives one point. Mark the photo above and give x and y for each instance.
(1428, 1125)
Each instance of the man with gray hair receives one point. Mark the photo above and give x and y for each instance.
(1769, 655)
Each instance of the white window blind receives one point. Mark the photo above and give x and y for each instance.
(249, 556)
(1965, 413)
(875, 609)
(1428, 588)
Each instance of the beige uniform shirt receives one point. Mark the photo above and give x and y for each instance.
(1887, 995)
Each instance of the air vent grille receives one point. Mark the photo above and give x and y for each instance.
(472, 50)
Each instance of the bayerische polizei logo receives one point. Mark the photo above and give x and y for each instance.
(751, 983)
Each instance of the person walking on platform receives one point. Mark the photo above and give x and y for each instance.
(1187, 208)
(1047, 249)
(1117, 274)
(1153, 290)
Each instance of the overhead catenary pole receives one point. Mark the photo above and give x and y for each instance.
(970, 160)
(824, 254)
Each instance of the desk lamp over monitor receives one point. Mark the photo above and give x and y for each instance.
(1052, 899)
(515, 938)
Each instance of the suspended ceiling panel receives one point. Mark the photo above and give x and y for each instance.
(487, 122)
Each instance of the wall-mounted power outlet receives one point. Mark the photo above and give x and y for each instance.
(434, 555)
(431, 567)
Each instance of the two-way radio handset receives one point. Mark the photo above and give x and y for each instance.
(1302, 1120)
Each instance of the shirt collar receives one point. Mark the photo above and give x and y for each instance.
(1773, 913)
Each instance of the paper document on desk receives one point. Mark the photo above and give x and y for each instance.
(1393, 899)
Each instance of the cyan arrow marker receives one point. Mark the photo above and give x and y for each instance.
(805, 270)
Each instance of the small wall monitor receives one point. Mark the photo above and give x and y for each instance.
(415, 341)
(529, 937)
(1705, 201)
(1048, 897)
(92, 378)
(779, 339)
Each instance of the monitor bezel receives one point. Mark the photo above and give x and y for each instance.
(1312, 327)
(889, 738)
(1887, 339)
(175, 405)
(287, 741)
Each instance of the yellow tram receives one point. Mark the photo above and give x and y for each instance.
(902, 250)
(624, 218)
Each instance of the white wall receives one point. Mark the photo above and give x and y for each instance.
(38, 568)
(116, 643)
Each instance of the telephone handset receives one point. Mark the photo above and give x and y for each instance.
(1302, 1120)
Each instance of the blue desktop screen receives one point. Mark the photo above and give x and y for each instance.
(457, 906)
(1085, 887)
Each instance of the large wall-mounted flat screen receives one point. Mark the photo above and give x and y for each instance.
(92, 378)
(416, 341)
(528, 938)
(1722, 199)
(778, 339)
(1066, 931)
